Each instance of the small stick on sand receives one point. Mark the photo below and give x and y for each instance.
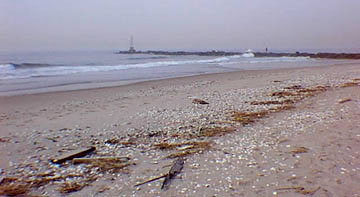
(151, 180)
(344, 100)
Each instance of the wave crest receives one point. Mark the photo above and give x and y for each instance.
(28, 70)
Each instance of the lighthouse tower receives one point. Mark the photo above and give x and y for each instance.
(132, 49)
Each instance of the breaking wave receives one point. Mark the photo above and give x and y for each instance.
(147, 58)
(28, 70)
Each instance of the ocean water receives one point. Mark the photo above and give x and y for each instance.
(35, 72)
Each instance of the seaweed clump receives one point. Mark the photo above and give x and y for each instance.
(14, 189)
(248, 117)
(216, 131)
(287, 101)
(298, 150)
(298, 93)
(184, 145)
(350, 84)
(69, 187)
(184, 148)
(14, 186)
(300, 190)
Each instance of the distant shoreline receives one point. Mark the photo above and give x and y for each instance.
(257, 54)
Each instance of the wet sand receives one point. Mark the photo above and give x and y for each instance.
(309, 147)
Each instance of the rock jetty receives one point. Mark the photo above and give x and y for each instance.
(257, 54)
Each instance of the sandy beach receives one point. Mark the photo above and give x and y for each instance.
(284, 132)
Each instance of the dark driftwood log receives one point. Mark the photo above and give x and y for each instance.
(75, 154)
(174, 170)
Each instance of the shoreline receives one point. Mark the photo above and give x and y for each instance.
(249, 159)
(83, 86)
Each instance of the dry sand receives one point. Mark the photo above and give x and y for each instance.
(309, 148)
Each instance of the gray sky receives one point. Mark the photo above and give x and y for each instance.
(178, 24)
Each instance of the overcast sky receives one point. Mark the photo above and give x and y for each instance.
(178, 24)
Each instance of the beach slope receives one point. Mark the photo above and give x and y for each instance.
(285, 132)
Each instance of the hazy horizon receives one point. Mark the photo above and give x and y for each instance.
(179, 25)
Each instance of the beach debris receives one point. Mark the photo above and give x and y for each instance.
(184, 148)
(69, 187)
(103, 188)
(344, 100)
(75, 154)
(192, 144)
(199, 101)
(100, 159)
(12, 186)
(128, 143)
(350, 84)
(151, 180)
(300, 190)
(4, 139)
(283, 140)
(281, 94)
(75, 185)
(294, 87)
(287, 101)
(6, 180)
(296, 93)
(298, 150)
(155, 133)
(281, 108)
(40, 181)
(311, 91)
(299, 92)
(216, 131)
(113, 166)
(13, 189)
(248, 117)
(183, 153)
(113, 141)
(174, 170)
(105, 163)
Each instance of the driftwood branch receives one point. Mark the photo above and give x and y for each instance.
(174, 170)
(100, 159)
(75, 154)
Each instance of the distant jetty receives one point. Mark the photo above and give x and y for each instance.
(311, 55)
(257, 54)
(205, 53)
